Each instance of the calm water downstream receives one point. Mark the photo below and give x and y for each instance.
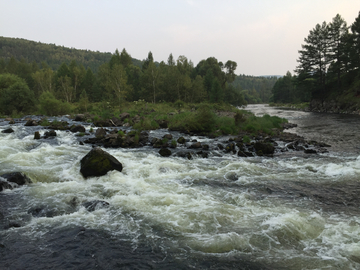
(223, 212)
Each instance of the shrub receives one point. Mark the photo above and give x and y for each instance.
(246, 139)
(17, 97)
(49, 105)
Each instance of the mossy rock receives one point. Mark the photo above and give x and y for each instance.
(98, 162)
(264, 148)
(164, 152)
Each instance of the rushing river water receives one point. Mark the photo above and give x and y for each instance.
(223, 212)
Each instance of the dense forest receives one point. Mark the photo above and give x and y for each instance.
(328, 65)
(40, 73)
(51, 54)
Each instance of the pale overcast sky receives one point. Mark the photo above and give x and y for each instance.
(263, 37)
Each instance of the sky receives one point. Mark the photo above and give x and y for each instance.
(262, 36)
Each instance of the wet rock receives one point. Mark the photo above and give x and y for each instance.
(80, 118)
(124, 115)
(12, 224)
(203, 154)
(264, 148)
(8, 130)
(196, 145)
(78, 128)
(181, 140)
(18, 178)
(116, 122)
(205, 147)
(5, 185)
(100, 133)
(220, 146)
(230, 148)
(232, 176)
(158, 143)
(164, 152)
(310, 151)
(42, 211)
(30, 123)
(50, 134)
(162, 123)
(288, 125)
(168, 136)
(102, 123)
(184, 154)
(98, 162)
(37, 135)
(62, 125)
(95, 205)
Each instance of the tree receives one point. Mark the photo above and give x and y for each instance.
(43, 81)
(283, 90)
(147, 61)
(315, 58)
(337, 32)
(88, 85)
(66, 90)
(125, 58)
(17, 97)
(355, 42)
(117, 82)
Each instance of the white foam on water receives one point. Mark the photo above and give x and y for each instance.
(199, 203)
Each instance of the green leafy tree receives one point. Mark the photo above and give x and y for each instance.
(43, 79)
(17, 98)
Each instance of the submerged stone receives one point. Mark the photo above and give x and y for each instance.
(95, 205)
(98, 162)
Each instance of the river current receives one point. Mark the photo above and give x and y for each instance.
(223, 212)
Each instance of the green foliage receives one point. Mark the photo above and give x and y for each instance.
(51, 106)
(17, 98)
(264, 124)
(246, 139)
(179, 104)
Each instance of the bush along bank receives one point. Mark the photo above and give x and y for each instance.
(199, 132)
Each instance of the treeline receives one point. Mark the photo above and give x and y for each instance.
(329, 64)
(51, 54)
(116, 81)
(255, 89)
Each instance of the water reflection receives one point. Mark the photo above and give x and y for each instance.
(341, 131)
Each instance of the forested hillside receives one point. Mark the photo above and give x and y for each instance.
(329, 66)
(255, 89)
(51, 54)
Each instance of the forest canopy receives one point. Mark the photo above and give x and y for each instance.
(71, 76)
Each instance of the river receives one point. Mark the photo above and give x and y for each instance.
(222, 212)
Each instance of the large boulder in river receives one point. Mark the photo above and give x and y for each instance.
(98, 162)
(264, 148)
(8, 130)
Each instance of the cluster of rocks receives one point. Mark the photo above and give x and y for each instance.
(333, 106)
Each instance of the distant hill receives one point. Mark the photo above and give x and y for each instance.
(52, 54)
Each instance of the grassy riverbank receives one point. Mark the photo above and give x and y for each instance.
(201, 118)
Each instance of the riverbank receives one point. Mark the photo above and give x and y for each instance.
(340, 105)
